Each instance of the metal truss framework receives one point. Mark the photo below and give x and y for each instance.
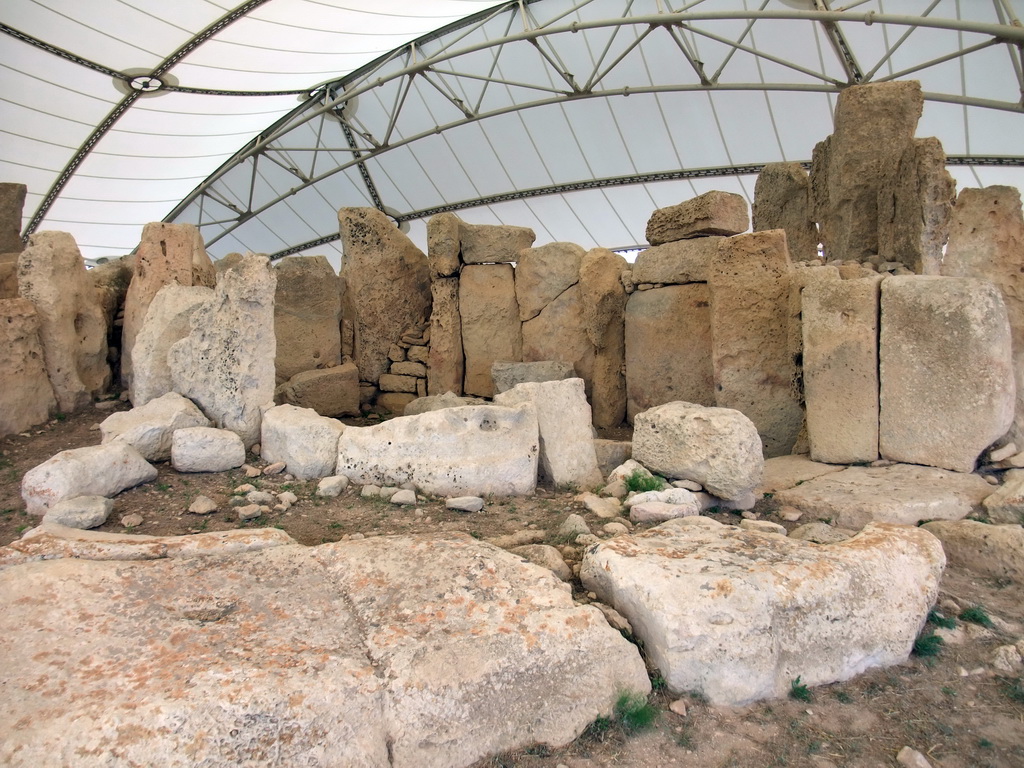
(328, 134)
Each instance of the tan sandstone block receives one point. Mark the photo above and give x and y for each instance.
(782, 200)
(713, 213)
(307, 314)
(446, 364)
(490, 323)
(26, 397)
(676, 263)
(444, 245)
(490, 243)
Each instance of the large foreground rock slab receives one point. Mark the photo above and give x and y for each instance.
(991, 550)
(96, 470)
(903, 494)
(469, 451)
(361, 661)
(738, 615)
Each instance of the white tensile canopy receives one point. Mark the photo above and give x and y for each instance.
(574, 117)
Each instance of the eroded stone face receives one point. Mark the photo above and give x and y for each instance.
(490, 323)
(26, 397)
(307, 315)
(713, 213)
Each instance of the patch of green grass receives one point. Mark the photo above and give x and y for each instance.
(843, 697)
(1014, 689)
(799, 691)
(684, 739)
(928, 644)
(334, 525)
(639, 482)
(22, 528)
(162, 487)
(60, 416)
(936, 618)
(976, 614)
(634, 713)
(658, 683)
(985, 744)
(947, 691)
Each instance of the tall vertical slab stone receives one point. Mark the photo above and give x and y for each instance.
(986, 240)
(754, 369)
(446, 364)
(667, 335)
(543, 274)
(444, 245)
(874, 125)
(490, 323)
(388, 282)
(559, 333)
(840, 322)
(26, 397)
(307, 316)
(226, 363)
(604, 305)
(914, 206)
(947, 386)
(782, 200)
(12, 204)
(52, 275)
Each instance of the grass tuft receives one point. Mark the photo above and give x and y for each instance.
(936, 618)
(799, 691)
(976, 614)
(928, 644)
(639, 482)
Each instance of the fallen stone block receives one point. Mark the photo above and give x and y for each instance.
(473, 450)
(306, 442)
(206, 449)
(330, 391)
(990, 550)
(80, 512)
(713, 213)
(96, 470)
(738, 615)
(148, 428)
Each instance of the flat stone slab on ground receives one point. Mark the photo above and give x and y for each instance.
(991, 550)
(903, 493)
(783, 472)
(391, 651)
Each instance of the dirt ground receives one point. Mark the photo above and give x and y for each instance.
(953, 707)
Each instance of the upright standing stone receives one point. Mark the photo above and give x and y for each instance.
(840, 321)
(559, 333)
(52, 275)
(168, 254)
(12, 203)
(782, 200)
(166, 322)
(26, 397)
(446, 363)
(713, 213)
(668, 347)
(914, 205)
(947, 388)
(545, 273)
(490, 323)
(604, 306)
(986, 240)
(754, 370)
(307, 316)
(800, 278)
(388, 281)
(493, 244)
(444, 245)
(226, 363)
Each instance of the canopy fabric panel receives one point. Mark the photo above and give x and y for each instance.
(575, 117)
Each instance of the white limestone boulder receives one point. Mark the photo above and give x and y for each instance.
(468, 451)
(96, 470)
(996, 551)
(206, 449)
(361, 660)
(567, 456)
(148, 428)
(904, 494)
(737, 615)
(80, 512)
(716, 447)
(305, 441)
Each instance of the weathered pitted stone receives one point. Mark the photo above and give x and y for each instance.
(874, 126)
(226, 363)
(840, 320)
(782, 472)
(166, 322)
(446, 363)
(713, 213)
(543, 274)
(821, 533)
(73, 334)
(206, 449)
(716, 447)
(903, 493)
(801, 277)
(668, 347)
(168, 254)
(991, 550)
(753, 366)
(305, 441)
(676, 263)
(388, 281)
(782, 200)
(738, 615)
(567, 456)
(604, 304)
(914, 206)
(96, 470)
(490, 243)
(506, 375)
(328, 391)
(439, 402)
(8, 279)
(947, 385)
(559, 333)
(12, 203)
(79, 512)
(444, 245)
(26, 397)
(986, 240)
(307, 315)
(148, 428)
(474, 450)
(545, 556)
(490, 323)
(360, 663)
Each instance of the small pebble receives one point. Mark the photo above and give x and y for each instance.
(274, 469)
(249, 512)
(132, 521)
